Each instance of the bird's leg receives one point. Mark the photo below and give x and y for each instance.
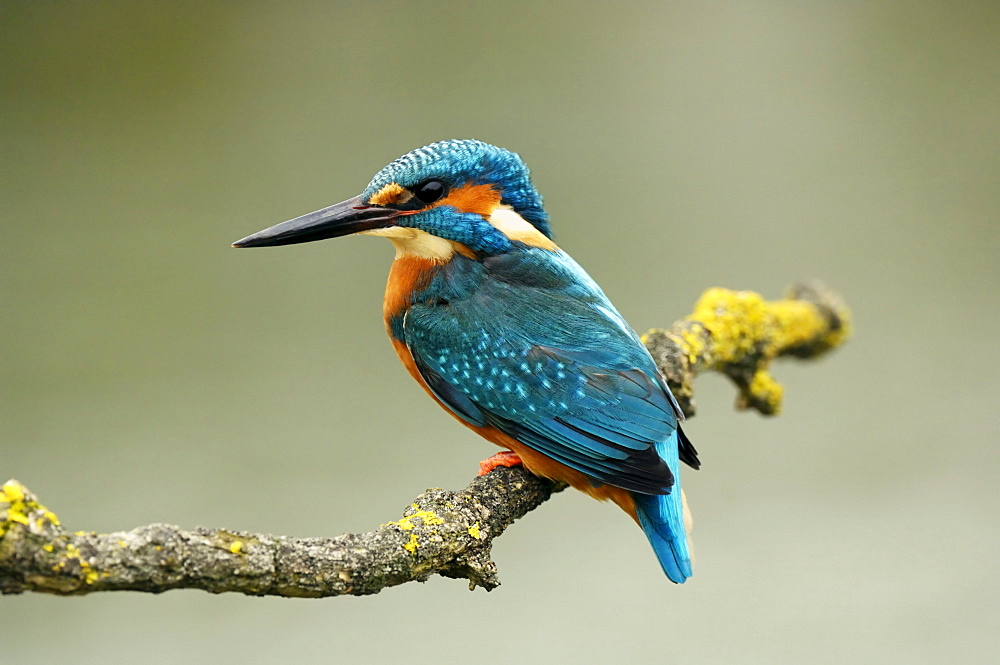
(502, 458)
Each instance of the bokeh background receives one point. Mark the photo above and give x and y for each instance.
(151, 373)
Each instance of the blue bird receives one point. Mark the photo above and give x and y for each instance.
(512, 337)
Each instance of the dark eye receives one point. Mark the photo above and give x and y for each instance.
(429, 191)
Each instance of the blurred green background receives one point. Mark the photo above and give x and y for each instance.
(151, 373)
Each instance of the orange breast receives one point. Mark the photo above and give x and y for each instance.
(408, 274)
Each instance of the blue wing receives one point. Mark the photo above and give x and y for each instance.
(528, 343)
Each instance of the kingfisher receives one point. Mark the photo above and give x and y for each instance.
(512, 337)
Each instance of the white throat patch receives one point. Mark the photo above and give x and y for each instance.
(414, 242)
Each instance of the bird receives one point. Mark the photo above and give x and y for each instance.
(506, 332)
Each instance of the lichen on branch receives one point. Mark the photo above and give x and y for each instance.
(739, 334)
(442, 532)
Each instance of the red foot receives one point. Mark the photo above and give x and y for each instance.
(503, 458)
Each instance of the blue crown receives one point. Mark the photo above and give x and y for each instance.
(460, 161)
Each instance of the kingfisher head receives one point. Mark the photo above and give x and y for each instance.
(452, 196)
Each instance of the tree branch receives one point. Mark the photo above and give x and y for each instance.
(442, 532)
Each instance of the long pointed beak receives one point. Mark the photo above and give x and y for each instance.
(342, 219)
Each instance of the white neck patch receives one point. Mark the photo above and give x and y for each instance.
(515, 227)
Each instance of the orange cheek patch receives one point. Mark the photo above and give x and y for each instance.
(480, 199)
(391, 194)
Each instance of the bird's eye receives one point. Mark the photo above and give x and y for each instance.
(429, 191)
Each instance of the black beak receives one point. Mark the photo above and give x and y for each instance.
(342, 219)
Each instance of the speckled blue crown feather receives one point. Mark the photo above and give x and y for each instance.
(459, 161)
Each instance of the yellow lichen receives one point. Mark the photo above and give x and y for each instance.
(694, 342)
(428, 517)
(763, 388)
(12, 492)
(236, 547)
(740, 333)
(17, 506)
(793, 323)
(741, 322)
(474, 531)
(87, 571)
(89, 574)
(734, 319)
(412, 545)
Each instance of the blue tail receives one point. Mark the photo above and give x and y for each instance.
(662, 518)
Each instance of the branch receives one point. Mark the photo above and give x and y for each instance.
(442, 532)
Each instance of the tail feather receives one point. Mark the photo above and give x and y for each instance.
(662, 519)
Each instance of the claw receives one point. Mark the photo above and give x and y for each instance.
(503, 458)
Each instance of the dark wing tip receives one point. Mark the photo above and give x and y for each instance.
(686, 450)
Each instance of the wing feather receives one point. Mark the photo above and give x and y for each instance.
(551, 364)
